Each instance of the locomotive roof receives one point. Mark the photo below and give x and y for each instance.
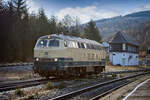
(71, 38)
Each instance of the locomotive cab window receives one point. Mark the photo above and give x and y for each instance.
(88, 47)
(53, 43)
(65, 44)
(82, 45)
(42, 43)
(85, 45)
(79, 45)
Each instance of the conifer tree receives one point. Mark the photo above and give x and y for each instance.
(21, 7)
(75, 31)
(92, 32)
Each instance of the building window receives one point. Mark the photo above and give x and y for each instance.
(110, 47)
(116, 47)
(123, 46)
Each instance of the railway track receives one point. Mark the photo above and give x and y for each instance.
(109, 91)
(113, 85)
(17, 64)
(21, 84)
(125, 71)
(34, 82)
(26, 83)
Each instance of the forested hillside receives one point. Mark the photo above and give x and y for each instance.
(126, 23)
(135, 24)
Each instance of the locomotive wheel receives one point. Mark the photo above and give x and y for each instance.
(83, 72)
(47, 77)
(77, 71)
(98, 70)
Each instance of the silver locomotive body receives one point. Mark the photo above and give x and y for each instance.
(57, 55)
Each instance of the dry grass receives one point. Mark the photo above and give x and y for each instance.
(61, 85)
(118, 68)
(27, 95)
(145, 66)
(49, 86)
(16, 75)
(19, 92)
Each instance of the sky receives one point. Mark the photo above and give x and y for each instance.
(86, 10)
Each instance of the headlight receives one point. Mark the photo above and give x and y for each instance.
(37, 59)
(55, 59)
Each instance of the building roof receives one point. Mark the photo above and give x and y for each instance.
(121, 37)
(71, 38)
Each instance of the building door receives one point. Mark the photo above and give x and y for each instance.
(123, 61)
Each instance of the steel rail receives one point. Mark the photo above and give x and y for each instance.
(75, 93)
(109, 91)
(16, 64)
(126, 71)
(25, 83)
(4, 84)
(21, 84)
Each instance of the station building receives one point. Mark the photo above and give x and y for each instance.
(123, 50)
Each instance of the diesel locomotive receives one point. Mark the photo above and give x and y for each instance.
(62, 55)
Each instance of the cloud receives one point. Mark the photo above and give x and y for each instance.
(85, 14)
(141, 8)
(33, 7)
(31, 4)
(5, 0)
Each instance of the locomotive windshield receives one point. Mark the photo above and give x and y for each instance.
(53, 43)
(42, 43)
